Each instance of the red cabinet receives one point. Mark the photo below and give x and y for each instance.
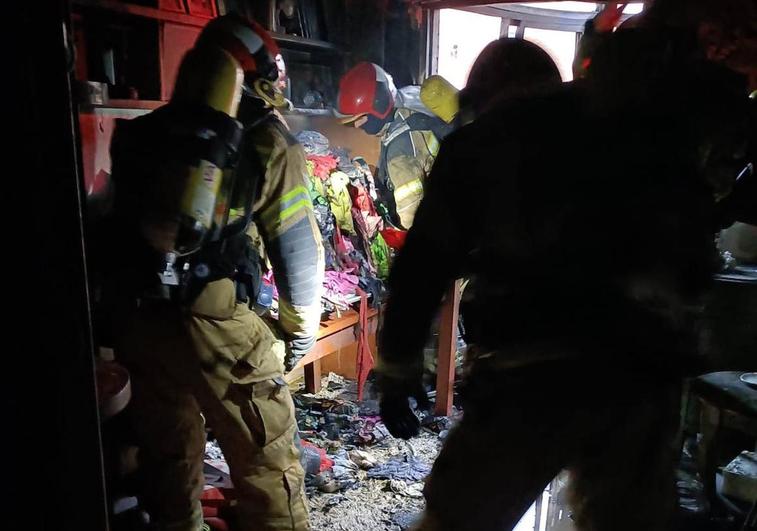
(175, 41)
(96, 127)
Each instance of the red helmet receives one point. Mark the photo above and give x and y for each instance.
(366, 90)
(250, 44)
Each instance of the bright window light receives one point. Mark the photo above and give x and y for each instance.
(462, 36)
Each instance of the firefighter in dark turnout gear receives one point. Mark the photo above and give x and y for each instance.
(505, 68)
(589, 253)
(193, 343)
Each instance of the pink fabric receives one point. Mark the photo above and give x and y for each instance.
(268, 279)
(323, 165)
(343, 247)
(340, 283)
(337, 286)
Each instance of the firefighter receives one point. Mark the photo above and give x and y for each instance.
(409, 134)
(588, 235)
(505, 68)
(192, 181)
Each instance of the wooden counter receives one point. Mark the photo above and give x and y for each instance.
(334, 334)
(339, 332)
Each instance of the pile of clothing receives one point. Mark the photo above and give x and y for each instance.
(347, 208)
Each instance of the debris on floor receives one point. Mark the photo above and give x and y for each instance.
(357, 475)
(360, 477)
(376, 481)
(364, 460)
(406, 468)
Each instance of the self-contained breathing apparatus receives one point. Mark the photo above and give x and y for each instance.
(175, 168)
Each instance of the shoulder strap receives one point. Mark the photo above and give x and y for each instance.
(253, 173)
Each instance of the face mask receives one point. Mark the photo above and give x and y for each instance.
(373, 125)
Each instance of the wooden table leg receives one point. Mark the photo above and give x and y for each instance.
(445, 365)
(313, 376)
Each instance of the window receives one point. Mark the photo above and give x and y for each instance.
(576, 7)
(555, 26)
(560, 45)
(582, 7)
(462, 36)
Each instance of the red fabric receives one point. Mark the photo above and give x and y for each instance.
(326, 463)
(323, 165)
(208, 511)
(217, 497)
(361, 199)
(394, 238)
(214, 501)
(365, 361)
(211, 494)
(364, 213)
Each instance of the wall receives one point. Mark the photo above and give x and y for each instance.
(96, 127)
(360, 143)
(344, 361)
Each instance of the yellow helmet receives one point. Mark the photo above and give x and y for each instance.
(440, 97)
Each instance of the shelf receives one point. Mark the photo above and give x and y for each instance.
(114, 6)
(141, 11)
(309, 112)
(154, 104)
(126, 104)
(121, 107)
(134, 104)
(294, 42)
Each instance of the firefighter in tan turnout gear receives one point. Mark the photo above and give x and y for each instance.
(191, 180)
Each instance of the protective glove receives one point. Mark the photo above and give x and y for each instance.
(293, 355)
(394, 404)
